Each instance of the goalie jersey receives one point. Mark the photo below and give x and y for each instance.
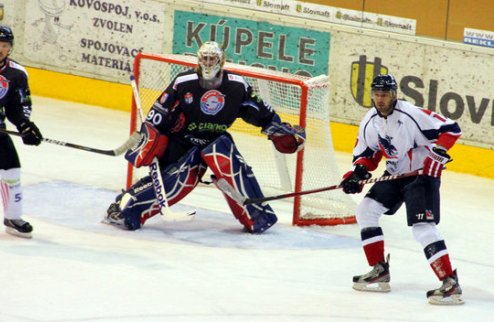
(196, 116)
(404, 137)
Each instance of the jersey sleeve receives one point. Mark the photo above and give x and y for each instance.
(437, 129)
(165, 114)
(366, 150)
(254, 110)
(18, 107)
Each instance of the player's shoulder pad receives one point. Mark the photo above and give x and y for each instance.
(371, 113)
(15, 65)
(410, 110)
(188, 76)
(237, 78)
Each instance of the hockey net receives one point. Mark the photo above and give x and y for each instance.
(298, 100)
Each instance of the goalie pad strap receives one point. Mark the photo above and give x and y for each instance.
(179, 179)
(225, 161)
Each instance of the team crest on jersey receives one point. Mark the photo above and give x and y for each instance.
(189, 98)
(212, 102)
(4, 86)
(163, 98)
(387, 148)
(429, 215)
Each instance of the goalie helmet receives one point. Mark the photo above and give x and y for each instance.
(6, 35)
(210, 58)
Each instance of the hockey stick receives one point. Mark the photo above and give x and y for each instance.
(235, 195)
(133, 139)
(155, 173)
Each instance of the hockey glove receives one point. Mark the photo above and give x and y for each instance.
(351, 178)
(286, 138)
(152, 144)
(30, 133)
(435, 161)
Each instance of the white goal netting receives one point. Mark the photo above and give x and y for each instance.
(298, 100)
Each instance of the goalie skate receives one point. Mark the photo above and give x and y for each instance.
(377, 280)
(448, 294)
(114, 217)
(18, 227)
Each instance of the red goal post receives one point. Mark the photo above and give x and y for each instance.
(298, 100)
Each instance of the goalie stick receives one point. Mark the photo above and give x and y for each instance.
(154, 171)
(243, 200)
(133, 139)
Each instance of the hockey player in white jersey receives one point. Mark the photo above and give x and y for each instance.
(410, 138)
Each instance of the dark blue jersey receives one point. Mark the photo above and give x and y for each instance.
(188, 112)
(15, 96)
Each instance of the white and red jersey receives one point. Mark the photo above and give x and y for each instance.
(404, 137)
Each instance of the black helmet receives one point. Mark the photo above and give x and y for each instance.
(384, 82)
(6, 34)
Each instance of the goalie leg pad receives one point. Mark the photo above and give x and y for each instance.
(139, 203)
(181, 177)
(225, 161)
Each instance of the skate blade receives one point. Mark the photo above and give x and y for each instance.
(454, 299)
(14, 232)
(382, 287)
(111, 223)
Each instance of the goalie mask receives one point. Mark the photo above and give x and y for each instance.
(210, 58)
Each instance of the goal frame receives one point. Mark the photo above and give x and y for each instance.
(297, 219)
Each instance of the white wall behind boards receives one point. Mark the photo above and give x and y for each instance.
(98, 39)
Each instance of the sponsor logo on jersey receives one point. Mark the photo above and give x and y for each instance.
(212, 102)
(207, 127)
(188, 98)
(387, 147)
(4, 86)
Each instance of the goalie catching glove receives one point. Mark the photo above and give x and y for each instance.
(286, 138)
(151, 144)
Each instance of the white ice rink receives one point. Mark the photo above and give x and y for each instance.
(77, 269)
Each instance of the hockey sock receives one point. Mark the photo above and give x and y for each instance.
(373, 243)
(438, 257)
(11, 191)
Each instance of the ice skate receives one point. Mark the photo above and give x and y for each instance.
(114, 217)
(377, 280)
(18, 227)
(448, 294)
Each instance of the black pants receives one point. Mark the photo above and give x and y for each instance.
(420, 194)
(9, 158)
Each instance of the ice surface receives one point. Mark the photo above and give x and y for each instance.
(77, 269)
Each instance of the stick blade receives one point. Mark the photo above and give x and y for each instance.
(227, 189)
(170, 216)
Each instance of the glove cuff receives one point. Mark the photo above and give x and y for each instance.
(439, 155)
(361, 171)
